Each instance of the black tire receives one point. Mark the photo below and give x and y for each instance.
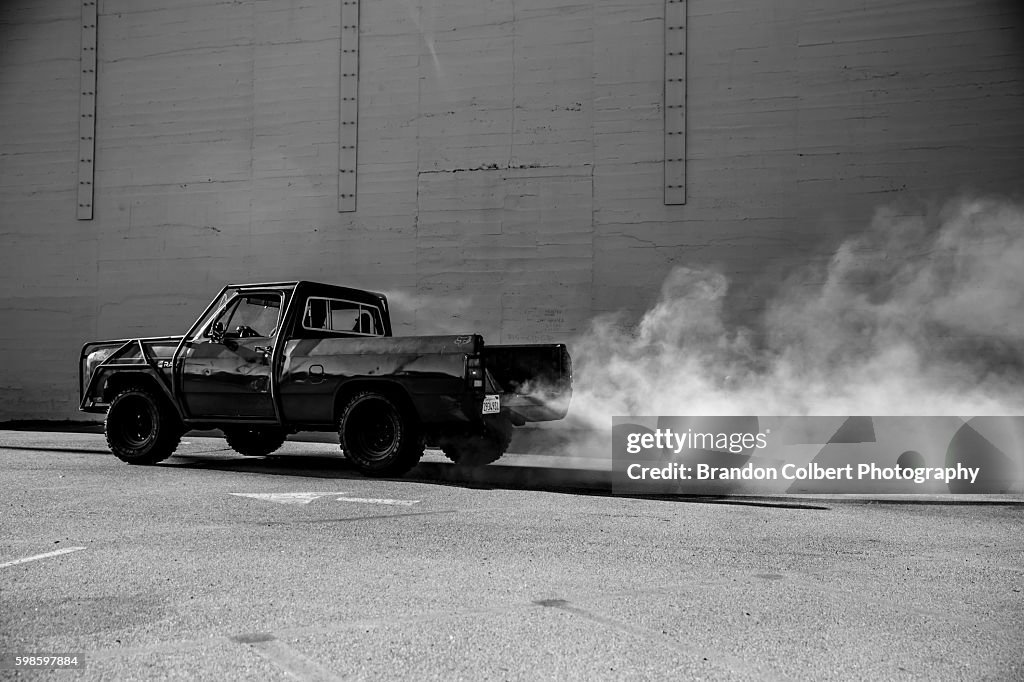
(378, 437)
(476, 450)
(254, 441)
(141, 428)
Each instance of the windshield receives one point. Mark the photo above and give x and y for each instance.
(204, 325)
(242, 315)
(250, 315)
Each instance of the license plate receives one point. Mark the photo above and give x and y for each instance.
(492, 404)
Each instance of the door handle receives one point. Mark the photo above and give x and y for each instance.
(266, 350)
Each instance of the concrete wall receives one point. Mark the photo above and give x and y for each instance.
(510, 155)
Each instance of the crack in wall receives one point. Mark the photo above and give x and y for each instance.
(491, 167)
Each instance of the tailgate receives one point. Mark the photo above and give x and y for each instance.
(535, 380)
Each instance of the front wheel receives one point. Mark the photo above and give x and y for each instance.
(141, 428)
(378, 437)
(254, 441)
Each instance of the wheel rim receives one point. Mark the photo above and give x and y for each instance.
(137, 422)
(375, 431)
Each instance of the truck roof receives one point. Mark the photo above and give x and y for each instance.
(309, 287)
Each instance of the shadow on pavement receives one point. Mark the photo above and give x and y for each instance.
(77, 451)
(494, 476)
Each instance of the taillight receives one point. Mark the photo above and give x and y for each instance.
(474, 373)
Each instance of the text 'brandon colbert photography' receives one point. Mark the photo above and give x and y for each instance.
(803, 449)
(792, 472)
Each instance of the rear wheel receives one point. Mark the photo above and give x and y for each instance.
(141, 428)
(254, 441)
(474, 450)
(378, 437)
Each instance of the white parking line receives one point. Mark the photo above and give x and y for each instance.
(377, 500)
(306, 498)
(287, 498)
(56, 552)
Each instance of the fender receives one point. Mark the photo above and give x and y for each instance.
(130, 360)
(387, 386)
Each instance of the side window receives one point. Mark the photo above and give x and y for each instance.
(251, 315)
(339, 316)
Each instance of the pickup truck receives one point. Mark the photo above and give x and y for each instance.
(267, 360)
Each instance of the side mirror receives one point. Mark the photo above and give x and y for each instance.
(216, 332)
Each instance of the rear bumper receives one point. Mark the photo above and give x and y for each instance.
(532, 409)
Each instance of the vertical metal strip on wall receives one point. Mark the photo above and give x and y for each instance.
(675, 101)
(87, 112)
(348, 105)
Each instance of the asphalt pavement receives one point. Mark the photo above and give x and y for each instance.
(216, 566)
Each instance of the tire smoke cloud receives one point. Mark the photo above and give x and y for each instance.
(917, 315)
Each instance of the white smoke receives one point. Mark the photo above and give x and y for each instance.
(916, 316)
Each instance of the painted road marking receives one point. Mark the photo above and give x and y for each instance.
(378, 500)
(306, 498)
(56, 552)
(287, 498)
